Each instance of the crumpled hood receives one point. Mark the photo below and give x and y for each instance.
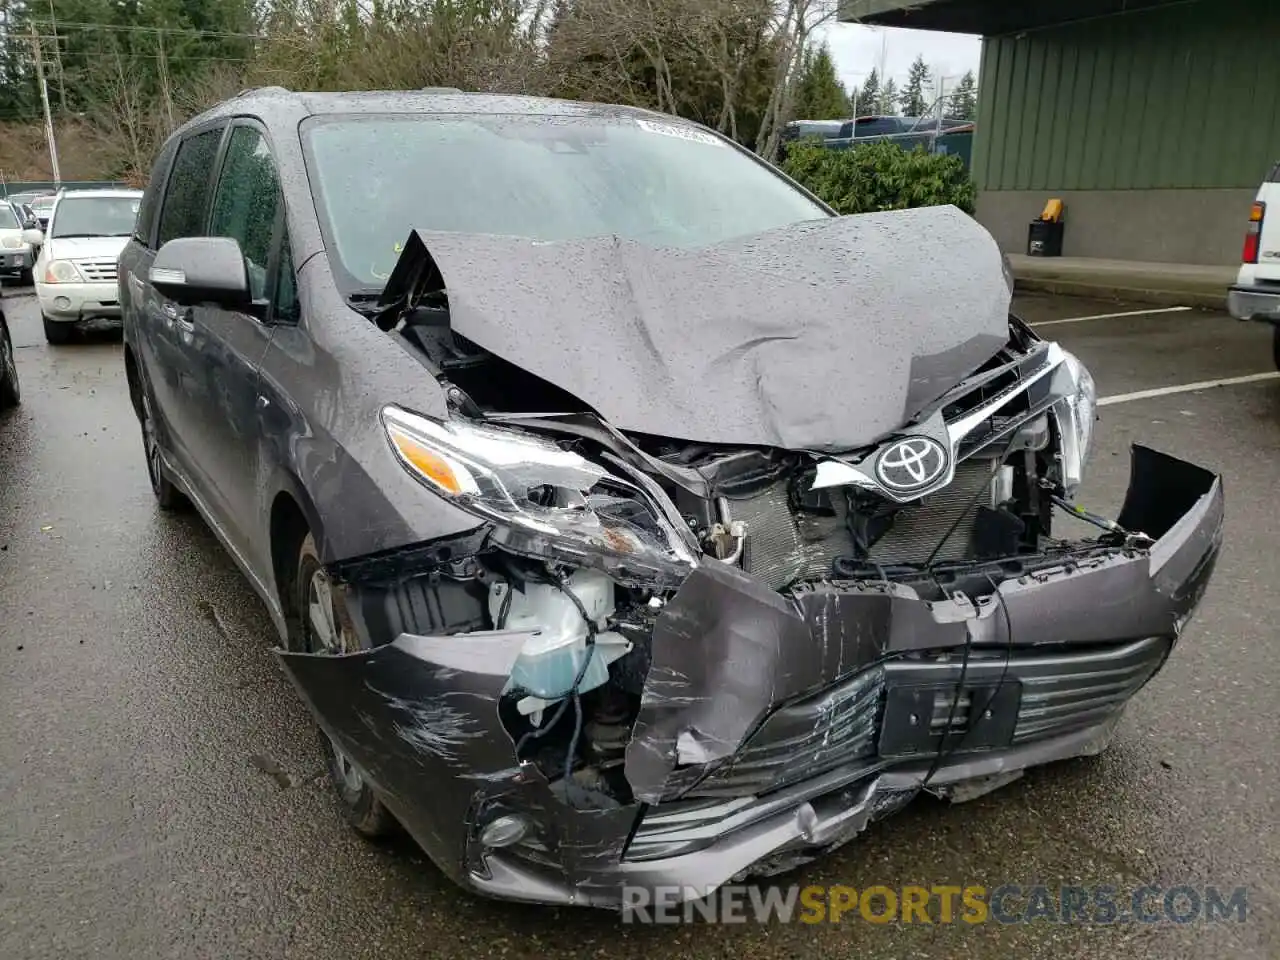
(824, 335)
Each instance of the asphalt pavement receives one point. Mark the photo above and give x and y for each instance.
(160, 783)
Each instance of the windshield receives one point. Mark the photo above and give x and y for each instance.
(7, 220)
(42, 204)
(547, 178)
(95, 217)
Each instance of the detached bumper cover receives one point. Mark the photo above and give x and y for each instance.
(774, 727)
(1253, 303)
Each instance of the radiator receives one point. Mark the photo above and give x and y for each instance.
(784, 545)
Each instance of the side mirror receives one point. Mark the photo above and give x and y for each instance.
(33, 237)
(195, 270)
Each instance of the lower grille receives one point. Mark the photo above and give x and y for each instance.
(784, 545)
(801, 740)
(97, 271)
(834, 735)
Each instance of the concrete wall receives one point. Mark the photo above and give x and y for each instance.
(1163, 226)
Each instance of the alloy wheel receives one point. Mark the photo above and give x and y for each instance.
(328, 637)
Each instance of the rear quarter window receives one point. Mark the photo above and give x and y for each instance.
(186, 198)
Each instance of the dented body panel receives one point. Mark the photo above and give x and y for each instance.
(421, 717)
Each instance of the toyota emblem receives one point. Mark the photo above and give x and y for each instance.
(911, 464)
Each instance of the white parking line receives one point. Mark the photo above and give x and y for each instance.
(1113, 316)
(1187, 388)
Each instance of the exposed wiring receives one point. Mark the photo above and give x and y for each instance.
(943, 753)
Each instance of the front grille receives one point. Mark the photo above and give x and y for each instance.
(785, 545)
(97, 271)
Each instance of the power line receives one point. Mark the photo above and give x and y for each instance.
(135, 28)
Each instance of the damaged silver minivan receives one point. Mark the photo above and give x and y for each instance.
(627, 517)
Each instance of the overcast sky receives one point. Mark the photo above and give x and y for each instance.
(856, 49)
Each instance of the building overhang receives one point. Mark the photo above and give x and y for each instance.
(988, 17)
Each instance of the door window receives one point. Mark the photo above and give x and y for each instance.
(246, 201)
(187, 198)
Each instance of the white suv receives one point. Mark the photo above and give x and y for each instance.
(76, 270)
(1256, 292)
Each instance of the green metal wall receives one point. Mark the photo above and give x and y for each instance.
(1184, 97)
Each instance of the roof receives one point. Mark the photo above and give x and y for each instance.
(292, 106)
(987, 17)
(114, 192)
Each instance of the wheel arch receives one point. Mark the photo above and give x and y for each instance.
(292, 516)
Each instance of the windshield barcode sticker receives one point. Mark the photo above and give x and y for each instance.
(682, 132)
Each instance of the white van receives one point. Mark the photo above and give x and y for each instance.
(1256, 292)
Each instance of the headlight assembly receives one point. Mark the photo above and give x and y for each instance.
(544, 501)
(62, 271)
(12, 243)
(1075, 413)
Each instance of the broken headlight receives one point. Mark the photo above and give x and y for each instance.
(544, 501)
(1075, 412)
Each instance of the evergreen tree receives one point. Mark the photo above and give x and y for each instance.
(888, 105)
(964, 102)
(868, 101)
(820, 94)
(916, 96)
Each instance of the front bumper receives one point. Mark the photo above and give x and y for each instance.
(72, 302)
(1254, 303)
(15, 262)
(774, 727)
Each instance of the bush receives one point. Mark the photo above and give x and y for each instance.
(880, 176)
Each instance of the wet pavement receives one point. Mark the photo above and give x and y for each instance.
(160, 783)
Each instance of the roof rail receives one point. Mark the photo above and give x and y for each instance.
(440, 90)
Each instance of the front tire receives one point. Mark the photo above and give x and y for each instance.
(57, 333)
(10, 390)
(326, 629)
(167, 495)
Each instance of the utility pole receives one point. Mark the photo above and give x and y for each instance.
(57, 57)
(163, 63)
(48, 117)
(942, 89)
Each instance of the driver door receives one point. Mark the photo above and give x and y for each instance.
(227, 346)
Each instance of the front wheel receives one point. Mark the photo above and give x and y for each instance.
(326, 629)
(10, 391)
(57, 333)
(167, 495)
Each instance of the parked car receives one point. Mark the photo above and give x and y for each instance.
(10, 389)
(17, 245)
(76, 269)
(1256, 292)
(625, 515)
(42, 205)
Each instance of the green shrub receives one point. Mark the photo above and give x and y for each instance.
(880, 176)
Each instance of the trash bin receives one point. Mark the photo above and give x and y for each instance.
(1044, 238)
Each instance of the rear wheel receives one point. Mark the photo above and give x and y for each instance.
(327, 630)
(10, 391)
(57, 333)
